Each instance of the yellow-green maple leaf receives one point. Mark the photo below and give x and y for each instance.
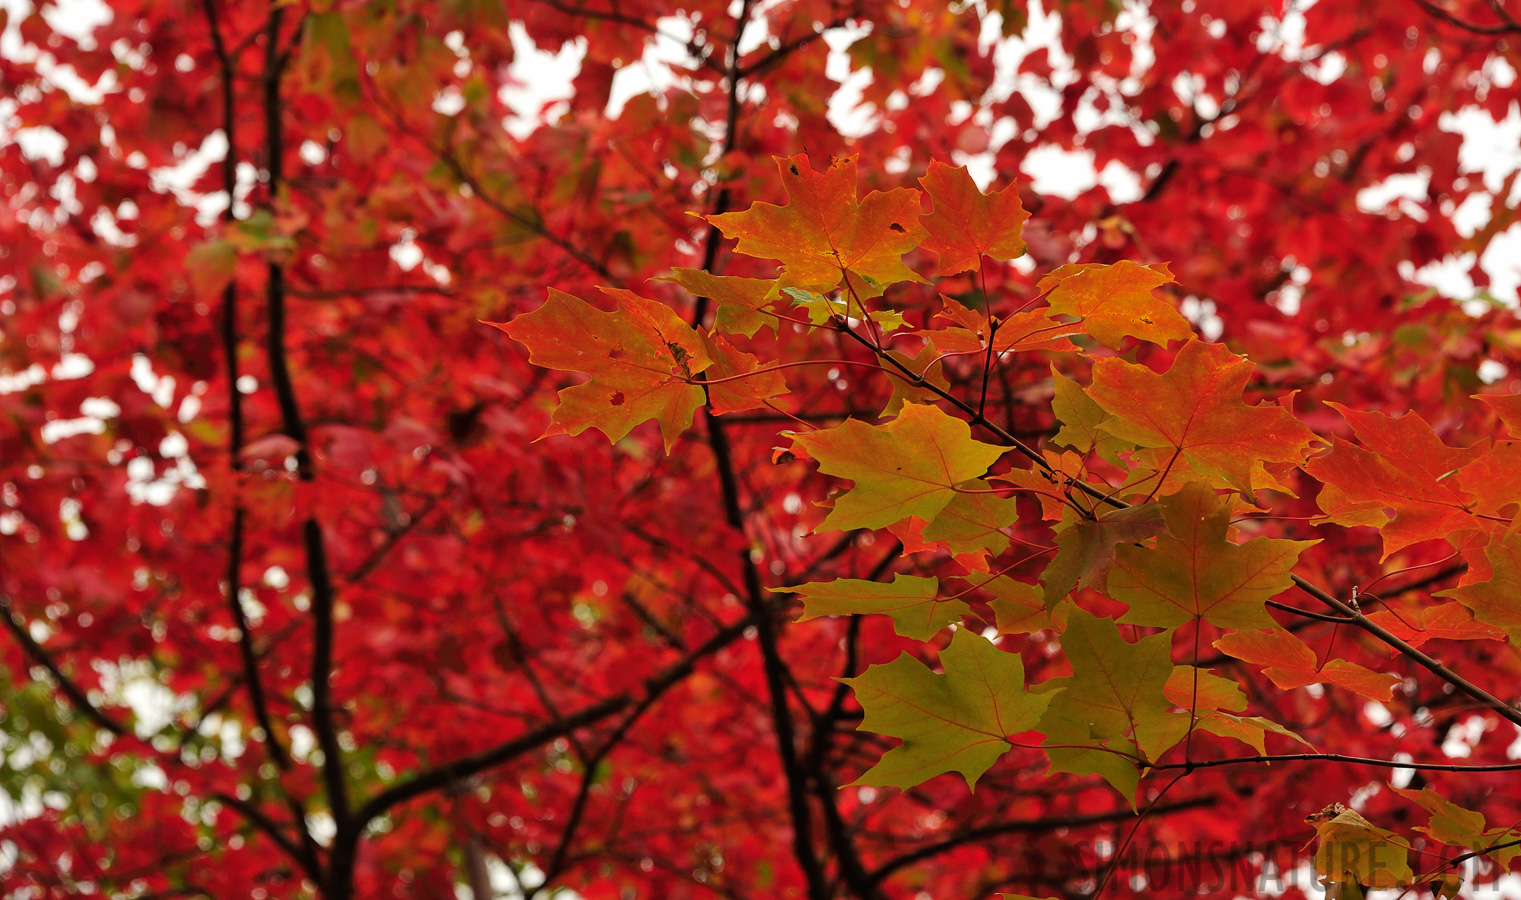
(1456, 826)
(907, 467)
(952, 722)
(912, 603)
(974, 522)
(1085, 547)
(1113, 706)
(742, 302)
(1195, 571)
(1355, 851)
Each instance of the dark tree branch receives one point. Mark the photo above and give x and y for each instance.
(777, 56)
(761, 605)
(302, 855)
(559, 862)
(1508, 25)
(318, 573)
(1505, 710)
(77, 697)
(851, 869)
(344, 853)
(229, 334)
(1342, 758)
(1017, 826)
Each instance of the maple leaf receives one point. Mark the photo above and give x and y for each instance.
(908, 467)
(1018, 608)
(1495, 481)
(1195, 688)
(967, 224)
(974, 522)
(1249, 730)
(1082, 421)
(824, 232)
(1401, 466)
(1290, 663)
(1455, 826)
(1195, 409)
(1445, 621)
(1354, 850)
(1109, 704)
(1017, 333)
(926, 365)
(1496, 600)
(1195, 571)
(211, 267)
(742, 302)
(912, 603)
(1117, 301)
(1085, 547)
(639, 357)
(957, 721)
(1506, 406)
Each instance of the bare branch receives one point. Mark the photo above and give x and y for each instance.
(77, 697)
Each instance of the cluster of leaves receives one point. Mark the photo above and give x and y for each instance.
(1155, 491)
(294, 605)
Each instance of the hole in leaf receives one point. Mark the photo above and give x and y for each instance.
(617, 398)
(896, 227)
(793, 167)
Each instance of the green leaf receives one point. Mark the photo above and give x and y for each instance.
(974, 522)
(1082, 421)
(952, 722)
(742, 302)
(908, 467)
(821, 309)
(1455, 826)
(1018, 609)
(1113, 701)
(1194, 571)
(639, 359)
(211, 267)
(911, 602)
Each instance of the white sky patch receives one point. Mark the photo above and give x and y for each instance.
(662, 67)
(1462, 738)
(537, 81)
(1043, 32)
(76, 19)
(1401, 191)
(847, 113)
(1491, 150)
